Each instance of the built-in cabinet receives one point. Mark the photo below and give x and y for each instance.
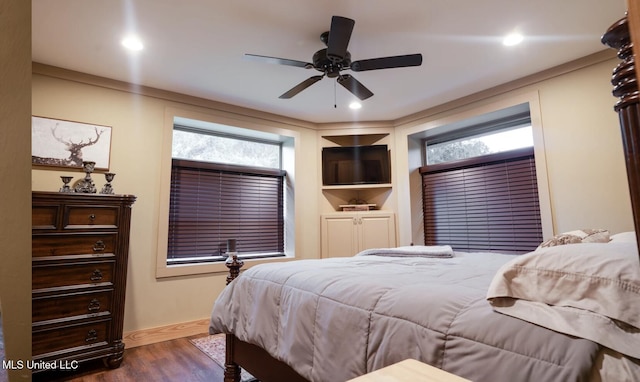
(346, 233)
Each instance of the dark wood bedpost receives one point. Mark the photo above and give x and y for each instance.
(231, 369)
(625, 87)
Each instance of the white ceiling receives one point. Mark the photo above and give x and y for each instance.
(196, 47)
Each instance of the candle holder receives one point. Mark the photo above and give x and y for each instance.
(65, 181)
(86, 185)
(233, 262)
(107, 188)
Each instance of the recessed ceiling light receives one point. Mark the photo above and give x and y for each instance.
(512, 39)
(355, 105)
(132, 43)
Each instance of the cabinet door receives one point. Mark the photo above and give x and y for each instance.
(376, 231)
(339, 235)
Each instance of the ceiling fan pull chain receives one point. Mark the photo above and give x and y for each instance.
(335, 102)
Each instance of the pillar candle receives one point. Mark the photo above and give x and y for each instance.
(231, 245)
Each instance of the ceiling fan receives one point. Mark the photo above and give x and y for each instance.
(335, 58)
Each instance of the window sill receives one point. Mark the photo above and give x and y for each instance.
(216, 267)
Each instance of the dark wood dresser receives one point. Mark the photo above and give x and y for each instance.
(79, 272)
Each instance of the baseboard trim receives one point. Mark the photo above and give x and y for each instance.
(165, 333)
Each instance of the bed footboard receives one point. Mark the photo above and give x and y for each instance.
(231, 369)
(260, 364)
(252, 358)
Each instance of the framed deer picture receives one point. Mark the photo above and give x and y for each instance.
(61, 143)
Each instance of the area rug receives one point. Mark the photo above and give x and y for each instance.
(214, 347)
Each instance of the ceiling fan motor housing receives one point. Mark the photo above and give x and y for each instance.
(322, 63)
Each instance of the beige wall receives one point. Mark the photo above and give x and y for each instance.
(15, 167)
(586, 177)
(587, 183)
(137, 123)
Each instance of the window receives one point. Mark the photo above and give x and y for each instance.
(224, 187)
(206, 146)
(480, 190)
(481, 144)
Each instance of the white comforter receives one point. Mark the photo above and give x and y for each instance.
(335, 319)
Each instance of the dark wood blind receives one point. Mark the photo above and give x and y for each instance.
(488, 203)
(211, 203)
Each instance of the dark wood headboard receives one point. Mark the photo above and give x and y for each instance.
(625, 87)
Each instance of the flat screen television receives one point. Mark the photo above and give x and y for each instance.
(352, 165)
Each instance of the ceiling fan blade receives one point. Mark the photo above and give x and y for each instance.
(339, 36)
(280, 61)
(387, 62)
(301, 86)
(354, 86)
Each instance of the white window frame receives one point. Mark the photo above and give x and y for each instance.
(410, 202)
(248, 126)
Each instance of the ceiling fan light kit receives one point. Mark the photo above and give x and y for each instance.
(336, 58)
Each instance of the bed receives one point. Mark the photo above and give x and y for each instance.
(569, 311)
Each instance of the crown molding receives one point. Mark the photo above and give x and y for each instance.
(241, 112)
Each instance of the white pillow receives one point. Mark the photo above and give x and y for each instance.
(624, 237)
(587, 235)
(589, 290)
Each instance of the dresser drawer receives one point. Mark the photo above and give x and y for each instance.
(45, 217)
(70, 338)
(70, 274)
(67, 245)
(73, 306)
(81, 217)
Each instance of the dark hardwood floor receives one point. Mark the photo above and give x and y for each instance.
(175, 360)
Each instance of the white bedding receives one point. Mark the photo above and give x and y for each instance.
(438, 251)
(589, 290)
(335, 319)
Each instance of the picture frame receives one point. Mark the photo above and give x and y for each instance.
(66, 144)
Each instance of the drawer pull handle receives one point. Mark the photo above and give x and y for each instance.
(99, 246)
(96, 275)
(94, 305)
(92, 217)
(92, 335)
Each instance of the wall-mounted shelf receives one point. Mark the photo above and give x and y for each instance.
(357, 186)
(333, 196)
(356, 139)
